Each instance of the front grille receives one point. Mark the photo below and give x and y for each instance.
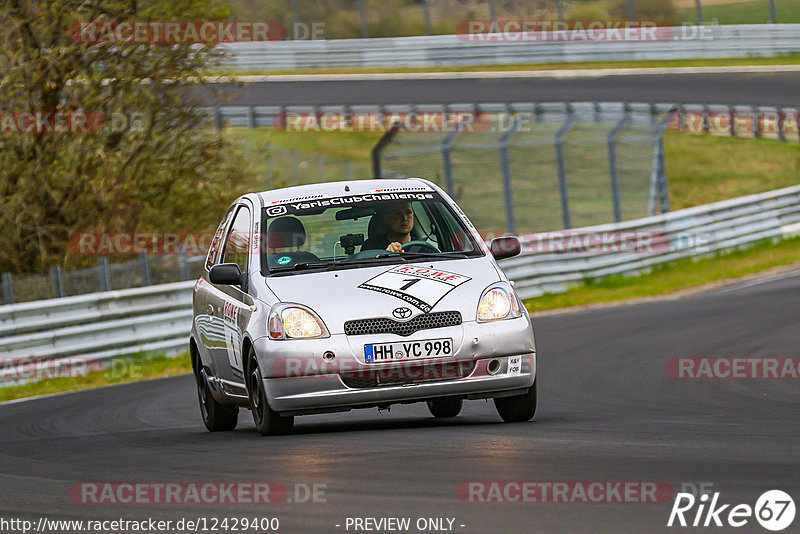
(384, 325)
(406, 374)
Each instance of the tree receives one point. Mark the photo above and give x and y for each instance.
(144, 158)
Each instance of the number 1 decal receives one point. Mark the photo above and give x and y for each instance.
(411, 282)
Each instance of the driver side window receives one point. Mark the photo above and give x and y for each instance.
(237, 245)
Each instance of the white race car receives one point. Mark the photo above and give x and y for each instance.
(328, 297)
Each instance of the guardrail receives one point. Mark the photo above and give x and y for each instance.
(683, 42)
(697, 231)
(101, 326)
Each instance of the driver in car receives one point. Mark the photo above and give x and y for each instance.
(398, 218)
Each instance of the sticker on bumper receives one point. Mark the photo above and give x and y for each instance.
(421, 287)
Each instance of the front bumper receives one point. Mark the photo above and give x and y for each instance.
(298, 379)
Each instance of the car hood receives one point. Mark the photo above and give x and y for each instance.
(366, 292)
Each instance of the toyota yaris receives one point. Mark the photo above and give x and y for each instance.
(328, 297)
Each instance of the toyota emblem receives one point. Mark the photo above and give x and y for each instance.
(402, 313)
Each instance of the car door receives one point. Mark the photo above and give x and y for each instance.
(208, 337)
(230, 305)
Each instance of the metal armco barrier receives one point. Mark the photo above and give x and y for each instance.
(684, 42)
(697, 231)
(101, 326)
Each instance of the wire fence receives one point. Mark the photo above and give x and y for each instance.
(543, 166)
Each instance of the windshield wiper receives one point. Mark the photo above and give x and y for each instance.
(303, 265)
(416, 255)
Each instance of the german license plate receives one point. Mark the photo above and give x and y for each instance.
(409, 350)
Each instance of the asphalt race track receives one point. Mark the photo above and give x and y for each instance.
(771, 88)
(608, 412)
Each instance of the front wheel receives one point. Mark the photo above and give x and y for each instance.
(217, 417)
(518, 408)
(268, 421)
(447, 407)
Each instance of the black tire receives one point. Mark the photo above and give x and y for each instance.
(446, 407)
(268, 421)
(217, 417)
(518, 408)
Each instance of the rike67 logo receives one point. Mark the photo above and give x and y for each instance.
(774, 510)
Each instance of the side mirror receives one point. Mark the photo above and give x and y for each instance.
(225, 273)
(505, 247)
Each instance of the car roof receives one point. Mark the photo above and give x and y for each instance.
(337, 189)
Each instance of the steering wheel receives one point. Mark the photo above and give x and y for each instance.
(420, 243)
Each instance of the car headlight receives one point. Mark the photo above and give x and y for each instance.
(498, 301)
(293, 321)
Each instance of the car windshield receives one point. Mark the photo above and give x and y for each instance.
(320, 233)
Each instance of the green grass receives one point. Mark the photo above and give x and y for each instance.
(754, 12)
(783, 59)
(705, 168)
(676, 276)
(132, 369)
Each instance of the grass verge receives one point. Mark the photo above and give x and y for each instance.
(122, 370)
(783, 59)
(675, 276)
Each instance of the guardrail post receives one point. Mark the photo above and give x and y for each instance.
(612, 161)
(562, 167)
(58, 285)
(507, 191)
(145, 263)
(8, 289)
(377, 150)
(102, 273)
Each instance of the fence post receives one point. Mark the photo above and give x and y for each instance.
(698, 9)
(218, 118)
(58, 285)
(447, 163)
(629, 9)
(509, 197)
(183, 265)
(321, 167)
(492, 16)
(251, 117)
(779, 119)
(562, 168)
(613, 135)
(658, 177)
(732, 120)
(362, 15)
(377, 150)
(295, 18)
(560, 10)
(427, 12)
(8, 289)
(756, 130)
(145, 263)
(772, 17)
(295, 169)
(102, 272)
